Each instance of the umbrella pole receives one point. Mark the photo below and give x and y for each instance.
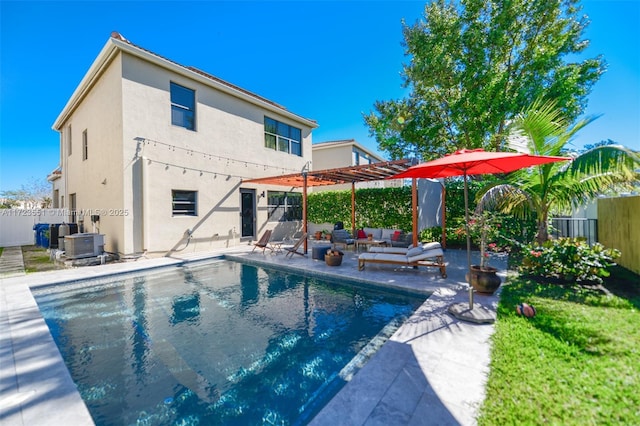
(466, 226)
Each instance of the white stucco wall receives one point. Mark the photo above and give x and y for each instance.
(98, 180)
(227, 147)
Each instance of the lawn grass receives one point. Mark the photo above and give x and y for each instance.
(576, 362)
(37, 259)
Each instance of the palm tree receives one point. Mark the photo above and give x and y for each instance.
(558, 186)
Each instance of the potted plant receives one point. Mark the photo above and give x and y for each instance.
(484, 228)
(327, 234)
(333, 257)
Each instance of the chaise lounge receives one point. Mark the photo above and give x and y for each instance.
(429, 255)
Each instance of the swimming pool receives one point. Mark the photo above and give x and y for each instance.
(215, 343)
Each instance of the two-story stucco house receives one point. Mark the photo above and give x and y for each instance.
(153, 155)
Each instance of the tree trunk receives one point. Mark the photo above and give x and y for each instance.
(543, 232)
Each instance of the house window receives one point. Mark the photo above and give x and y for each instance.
(72, 208)
(284, 206)
(69, 141)
(282, 137)
(85, 145)
(183, 107)
(360, 158)
(184, 203)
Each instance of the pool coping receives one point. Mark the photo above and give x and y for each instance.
(35, 384)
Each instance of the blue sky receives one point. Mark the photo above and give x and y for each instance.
(325, 60)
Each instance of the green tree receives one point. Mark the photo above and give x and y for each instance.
(560, 186)
(474, 64)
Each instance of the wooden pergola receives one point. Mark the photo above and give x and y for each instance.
(344, 175)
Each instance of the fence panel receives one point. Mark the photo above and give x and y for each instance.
(16, 225)
(575, 228)
(619, 227)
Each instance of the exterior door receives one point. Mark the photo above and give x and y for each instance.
(247, 212)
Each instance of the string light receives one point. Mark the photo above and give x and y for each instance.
(229, 160)
(201, 172)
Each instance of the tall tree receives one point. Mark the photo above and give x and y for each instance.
(474, 64)
(558, 186)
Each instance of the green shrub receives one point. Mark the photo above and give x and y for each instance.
(431, 234)
(375, 207)
(568, 260)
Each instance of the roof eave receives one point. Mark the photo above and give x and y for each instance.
(110, 49)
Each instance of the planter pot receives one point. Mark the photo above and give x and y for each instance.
(333, 260)
(484, 281)
(318, 235)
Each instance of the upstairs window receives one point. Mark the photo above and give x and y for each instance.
(85, 145)
(360, 158)
(183, 107)
(184, 203)
(282, 137)
(69, 145)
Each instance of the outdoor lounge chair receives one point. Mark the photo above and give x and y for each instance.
(342, 237)
(263, 242)
(417, 256)
(402, 250)
(294, 250)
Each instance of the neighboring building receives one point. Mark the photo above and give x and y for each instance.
(346, 153)
(57, 183)
(153, 154)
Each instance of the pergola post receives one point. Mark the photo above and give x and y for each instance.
(304, 210)
(353, 209)
(444, 225)
(414, 210)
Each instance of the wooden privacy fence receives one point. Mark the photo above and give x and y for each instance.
(619, 227)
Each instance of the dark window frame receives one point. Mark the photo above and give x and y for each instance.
(183, 111)
(282, 137)
(85, 145)
(69, 142)
(184, 202)
(284, 206)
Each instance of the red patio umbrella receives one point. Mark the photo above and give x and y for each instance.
(474, 162)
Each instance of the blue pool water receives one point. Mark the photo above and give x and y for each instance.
(220, 343)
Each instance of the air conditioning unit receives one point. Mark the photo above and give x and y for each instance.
(77, 246)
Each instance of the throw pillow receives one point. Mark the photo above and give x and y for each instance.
(361, 234)
(396, 236)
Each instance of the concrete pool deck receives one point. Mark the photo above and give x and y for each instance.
(431, 372)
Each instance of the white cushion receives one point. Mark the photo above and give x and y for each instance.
(389, 257)
(376, 232)
(396, 250)
(427, 254)
(386, 234)
(414, 251)
(433, 245)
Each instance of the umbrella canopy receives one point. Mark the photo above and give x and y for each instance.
(474, 162)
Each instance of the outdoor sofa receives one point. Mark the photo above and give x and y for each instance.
(391, 237)
(428, 254)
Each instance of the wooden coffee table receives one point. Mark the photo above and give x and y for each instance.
(367, 242)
